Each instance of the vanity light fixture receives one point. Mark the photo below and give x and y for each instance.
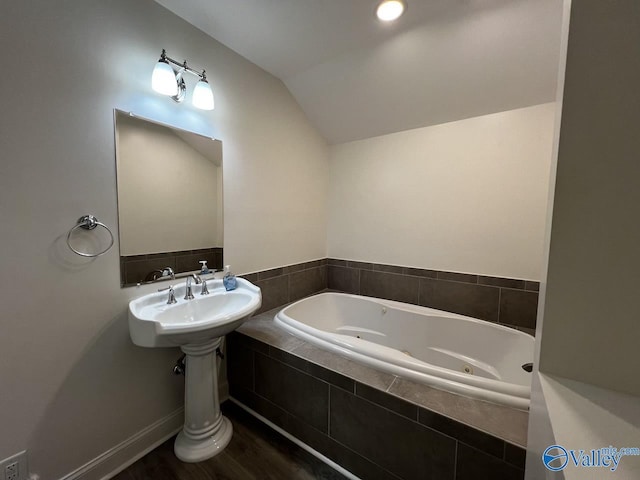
(389, 10)
(167, 81)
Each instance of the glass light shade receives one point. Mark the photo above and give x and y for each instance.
(203, 96)
(164, 80)
(390, 10)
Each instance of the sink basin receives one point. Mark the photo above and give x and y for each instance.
(196, 326)
(154, 323)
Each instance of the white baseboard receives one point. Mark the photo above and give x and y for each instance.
(116, 459)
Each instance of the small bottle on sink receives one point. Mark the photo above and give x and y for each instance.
(229, 280)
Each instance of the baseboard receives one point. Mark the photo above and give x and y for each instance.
(297, 441)
(116, 459)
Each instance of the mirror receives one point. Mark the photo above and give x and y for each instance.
(169, 199)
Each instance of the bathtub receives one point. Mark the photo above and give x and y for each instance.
(444, 350)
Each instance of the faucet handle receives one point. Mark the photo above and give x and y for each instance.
(205, 289)
(188, 295)
(172, 296)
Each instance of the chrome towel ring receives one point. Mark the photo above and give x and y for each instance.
(89, 222)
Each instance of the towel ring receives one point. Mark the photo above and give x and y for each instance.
(89, 222)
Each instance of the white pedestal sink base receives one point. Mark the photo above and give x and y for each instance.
(191, 450)
(206, 432)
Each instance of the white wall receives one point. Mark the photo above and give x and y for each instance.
(592, 284)
(167, 191)
(72, 384)
(587, 392)
(466, 196)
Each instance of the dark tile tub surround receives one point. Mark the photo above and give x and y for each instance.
(508, 301)
(287, 284)
(353, 415)
(135, 269)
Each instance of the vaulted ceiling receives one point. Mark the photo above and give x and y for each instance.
(356, 77)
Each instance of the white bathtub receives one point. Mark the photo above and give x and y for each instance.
(451, 352)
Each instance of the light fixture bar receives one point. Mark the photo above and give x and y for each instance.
(182, 65)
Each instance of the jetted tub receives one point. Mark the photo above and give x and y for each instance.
(451, 352)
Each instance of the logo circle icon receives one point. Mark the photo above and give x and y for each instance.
(555, 458)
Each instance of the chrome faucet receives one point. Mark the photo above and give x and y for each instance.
(168, 272)
(189, 294)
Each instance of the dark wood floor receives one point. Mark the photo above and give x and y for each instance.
(255, 452)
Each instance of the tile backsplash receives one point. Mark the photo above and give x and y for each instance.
(508, 301)
(139, 268)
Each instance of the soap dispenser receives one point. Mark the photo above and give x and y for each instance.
(204, 270)
(229, 280)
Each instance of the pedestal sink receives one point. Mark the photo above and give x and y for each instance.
(197, 327)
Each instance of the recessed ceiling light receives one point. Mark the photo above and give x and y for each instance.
(389, 10)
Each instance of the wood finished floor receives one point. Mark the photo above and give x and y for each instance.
(255, 452)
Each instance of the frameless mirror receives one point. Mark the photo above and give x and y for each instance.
(169, 199)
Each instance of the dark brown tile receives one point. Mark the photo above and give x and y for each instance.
(360, 265)
(153, 256)
(298, 393)
(294, 268)
(201, 251)
(458, 277)
(307, 282)
(530, 331)
(313, 264)
(218, 260)
(291, 360)
(389, 286)
(388, 268)
(463, 433)
(420, 272)
(312, 369)
(237, 338)
(275, 292)
(343, 279)
(477, 301)
(502, 422)
(336, 363)
(408, 450)
(532, 286)
(136, 272)
(518, 307)
(274, 272)
(136, 258)
(387, 401)
(239, 364)
(329, 376)
(260, 405)
(335, 261)
(514, 455)
(188, 263)
(250, 277)
(472, 464)
(502, 282)
(343, 456)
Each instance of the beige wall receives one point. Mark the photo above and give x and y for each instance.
(167, 191)
(72, 384)
(467, 196)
